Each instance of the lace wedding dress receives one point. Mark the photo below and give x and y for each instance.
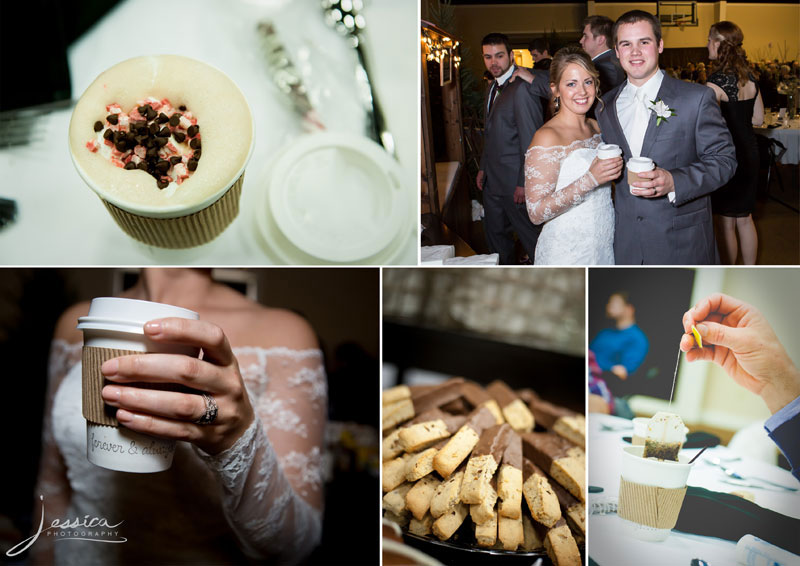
(578, 218)
(246, 502)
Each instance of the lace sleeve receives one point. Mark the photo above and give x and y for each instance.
(52, 482)
(542, 165)
(271, 477)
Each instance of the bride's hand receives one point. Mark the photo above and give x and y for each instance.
(172, 414)
(606, 170)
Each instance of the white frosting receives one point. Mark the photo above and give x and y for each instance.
(216, 102)
(666, 427)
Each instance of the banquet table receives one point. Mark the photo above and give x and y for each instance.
(607, 544)
(60, 221)
(788, 134)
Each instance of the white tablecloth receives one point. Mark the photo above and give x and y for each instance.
(788, 135)
(62, 222)
(608, 546)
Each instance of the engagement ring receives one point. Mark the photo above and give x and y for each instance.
(211, 410)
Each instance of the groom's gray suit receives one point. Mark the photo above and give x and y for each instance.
(696, 148)
(514, 118)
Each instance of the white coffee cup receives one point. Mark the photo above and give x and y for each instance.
(782, 114)
(650, 472)
(639, 430)
(608, 151)
(637, 165)
(118, 324)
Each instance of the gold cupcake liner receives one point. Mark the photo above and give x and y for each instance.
(182, 231)
(94, 408)
(649, 505)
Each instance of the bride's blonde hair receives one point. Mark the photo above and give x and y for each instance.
(573, 54)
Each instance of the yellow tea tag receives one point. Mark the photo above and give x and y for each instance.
(697, 336)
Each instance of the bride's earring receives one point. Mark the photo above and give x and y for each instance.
(557, 102)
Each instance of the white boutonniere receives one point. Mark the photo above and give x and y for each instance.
(662, 111)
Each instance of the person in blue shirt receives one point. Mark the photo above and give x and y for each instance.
(738, 338)
(622, 349)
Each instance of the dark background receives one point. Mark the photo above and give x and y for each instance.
(660, 297)
(341, 305)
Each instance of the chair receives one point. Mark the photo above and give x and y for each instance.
(770, 153)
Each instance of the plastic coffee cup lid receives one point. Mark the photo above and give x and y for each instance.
(128, 315)
(337, 196)
(636, 164)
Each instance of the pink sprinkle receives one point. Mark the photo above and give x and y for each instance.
(140, 151)
(136, 115)
(179, 169)
(108, 142)
(113, 108)
(170, 146)
(92, 145)
(117, 163)
(185, 122)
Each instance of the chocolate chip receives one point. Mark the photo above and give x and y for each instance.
(192, 130)
(151, 113)
(179, 137)
(162, 166)
(197, 154)
(162, 118)
(195, 144)
(98, 126)
(143, 109)
(175, 159)
(108, 134)
(175, 119)
(191, 165)
(130, 165)
(121, 145)
(182, 108)
(130, 137)
(164, 132)
(142, 165)
(161, 142)
(153, 128)
(140, 139)
(112, 119)
(152, 152)
(162, 184)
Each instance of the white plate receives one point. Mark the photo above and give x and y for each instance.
(337, 197)
(284, 250)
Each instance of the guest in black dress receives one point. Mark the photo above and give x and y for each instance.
(740, 101)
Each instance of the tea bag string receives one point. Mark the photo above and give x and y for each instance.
(674, 377)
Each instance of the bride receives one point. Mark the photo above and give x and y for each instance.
(566, 187)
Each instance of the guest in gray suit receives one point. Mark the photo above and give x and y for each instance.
(596, 41)
(512, 117)
(667, 219)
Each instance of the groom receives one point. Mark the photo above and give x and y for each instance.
(668, 219)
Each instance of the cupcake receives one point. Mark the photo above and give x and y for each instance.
(164, 140)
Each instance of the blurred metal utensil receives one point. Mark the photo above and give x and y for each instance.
(22, 126)
(344, 16)
(732, 474)
(286, 76)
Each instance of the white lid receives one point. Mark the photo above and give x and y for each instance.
(128, 315)
(607, 146)
(637, 164)
(337, 196)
